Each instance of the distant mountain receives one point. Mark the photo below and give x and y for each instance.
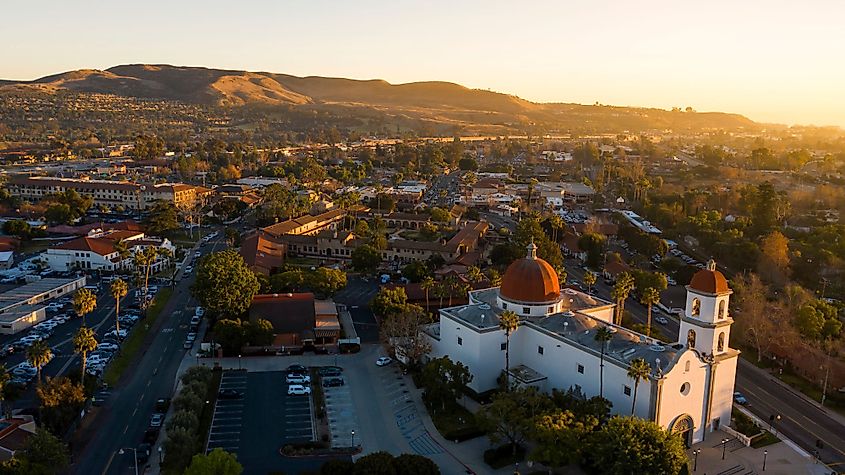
(443, 104)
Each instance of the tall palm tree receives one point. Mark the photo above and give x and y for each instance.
(38, 355)
(638, 371)
(119, 289)
(650, 297)
(603, 335)
(84, 302)
(509, 322)
(620, 292)
(84, 340)
(556, 223)
(590, 278)
(122, 251)
(426, 285)
(450, 285)
(441, 290)
(145, 260)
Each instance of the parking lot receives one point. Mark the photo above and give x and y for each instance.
(340, 410)
(405, 414)
(228, 414)
(268, 419)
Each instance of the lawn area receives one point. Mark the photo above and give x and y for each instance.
(136, 338)
(766, 439)
(420, 236)
(455, 423)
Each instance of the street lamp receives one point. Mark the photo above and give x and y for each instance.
(765, 455)
(353, 439)
(135, 451)
(695, 462)
(239, 362)
(160, 457)
(724, 446)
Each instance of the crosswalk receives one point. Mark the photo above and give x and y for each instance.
(228, 415)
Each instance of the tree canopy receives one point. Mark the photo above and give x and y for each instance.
(224, 284)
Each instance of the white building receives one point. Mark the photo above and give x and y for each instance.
(99, 251)
(689, 390)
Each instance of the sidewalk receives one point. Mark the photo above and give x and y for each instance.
(779, 459)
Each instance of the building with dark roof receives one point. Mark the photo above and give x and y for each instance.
(298, 319)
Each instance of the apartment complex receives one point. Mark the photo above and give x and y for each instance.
(112, 194)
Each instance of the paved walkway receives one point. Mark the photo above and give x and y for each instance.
(780, 459)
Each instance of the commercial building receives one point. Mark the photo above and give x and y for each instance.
(690, 383)
(109, 193)
(99, 251)
(298, 319)
(22, 307)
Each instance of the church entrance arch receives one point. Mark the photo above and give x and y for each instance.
(684, 427)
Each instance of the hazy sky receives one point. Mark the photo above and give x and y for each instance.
(776, 61)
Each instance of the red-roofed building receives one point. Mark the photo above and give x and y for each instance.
(298, 319)
(14, 433)
(100, 251)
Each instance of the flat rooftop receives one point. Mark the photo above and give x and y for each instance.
(22, 311)
(34, 289)
(573, 326)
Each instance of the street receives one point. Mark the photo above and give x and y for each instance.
(121, 422)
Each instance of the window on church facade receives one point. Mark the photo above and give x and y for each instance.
(691, 338)
(540, 350)
(626, 390)
(720, 346)
(722, 309)
(503, 346)
(581, 368)
(696, 307)
(460, 341)
(526, 310)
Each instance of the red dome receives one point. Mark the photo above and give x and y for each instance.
(530, 280)
(709, 280)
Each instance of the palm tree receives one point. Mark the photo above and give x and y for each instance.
(145, 260)
(474, 274)
(84, 341)
(119, 289)
(556, 223)
(590, 278)
(451, 286)
(603, 335)
(651, 296)
(38, 355)
(509, 322)
(494, 277)
(638, 370)
(426, 285)
(122, 251)
(84, 302)
(441, 290)
(620, 292)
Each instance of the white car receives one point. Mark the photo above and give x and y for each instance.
(188, 269)
(199, 311)
(191, 336)
(120, 334)
(297, 379)
(298, 390)
(108, 346)
(384, 361)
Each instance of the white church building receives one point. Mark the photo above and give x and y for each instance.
(690, 388)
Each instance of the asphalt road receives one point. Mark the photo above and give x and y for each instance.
(801, 421)
(121, 422)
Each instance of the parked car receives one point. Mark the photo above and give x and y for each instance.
(330, 371)
(199, 311)
(156, 420)
(119, 334)
(142, 453)
(298, 390)
(162, 404)
(661, 320)
(108, 347)
(333, 382)
(297, 369)
(191, 336)
(151, 434)
(188, 344)
(384, 361)
(739, 398)
(229, 394)
(297, 379)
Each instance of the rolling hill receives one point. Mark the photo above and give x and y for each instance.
(447, 106)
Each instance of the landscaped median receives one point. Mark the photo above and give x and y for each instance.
(136, 338)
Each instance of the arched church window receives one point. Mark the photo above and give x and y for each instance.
(721, 309)
(696, 307)
(691, 338)
(721, 345)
